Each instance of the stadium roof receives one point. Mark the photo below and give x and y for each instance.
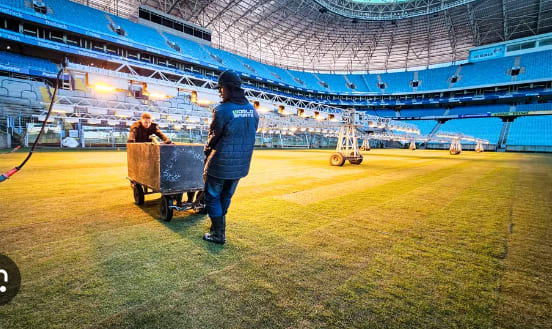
(337, 35)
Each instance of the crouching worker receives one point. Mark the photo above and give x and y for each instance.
(228, 151)
(141, 130)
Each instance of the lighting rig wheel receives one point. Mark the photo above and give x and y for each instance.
(337, 159)
(165, 209)
(138, 194)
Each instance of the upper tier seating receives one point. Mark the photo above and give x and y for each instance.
(336, 82)
(485, 73)
(141, 33)
(190, 48)
(435, 79)
(495, 71)
(398, 82)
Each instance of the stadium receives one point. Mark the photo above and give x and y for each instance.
(400, 176)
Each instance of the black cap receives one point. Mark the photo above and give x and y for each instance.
(228, 78)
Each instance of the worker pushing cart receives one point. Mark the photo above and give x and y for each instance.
(141, 131)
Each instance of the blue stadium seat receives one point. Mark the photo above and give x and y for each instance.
(422, 112)
(191, 48)
(435, 79)
(308, 78)
(27, 62)
(485, 73)
(531, 130)
(486, 128)
(360, 82)
(227, 59)
(336, 82)
(142, 34)
(537, 65)
(284, 75)
(425, 126)
(534, 107)
(479, 109)
(398, 82)
(71, 12)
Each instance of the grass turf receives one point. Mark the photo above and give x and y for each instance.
(408, 239)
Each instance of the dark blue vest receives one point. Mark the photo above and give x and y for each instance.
(231, 140)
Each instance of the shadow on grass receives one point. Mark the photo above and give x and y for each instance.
(183, 223)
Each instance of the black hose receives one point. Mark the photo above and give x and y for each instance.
(11, 172)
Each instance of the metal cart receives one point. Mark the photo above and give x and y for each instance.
(171, 170)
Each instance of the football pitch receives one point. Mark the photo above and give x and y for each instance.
(407, 239)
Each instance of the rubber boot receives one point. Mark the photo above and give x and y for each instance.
(218, 225)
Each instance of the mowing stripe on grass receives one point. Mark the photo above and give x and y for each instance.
(526, 292)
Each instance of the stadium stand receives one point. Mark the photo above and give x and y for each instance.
(533, 66)
(359, 81)
(425, 126)
(496, 71)
(398, 82)
(422, 112)
(534, 107)
(435, 79)
(20, 61)
(536, 65)
(531, 130)
(190, 48)
(487, 128)
(140, 33)
(336, 82)
(478, 109)
(382, 113)
(260, 68)
(22, 96)
(71, 12)
(308, 78)
(226, 59)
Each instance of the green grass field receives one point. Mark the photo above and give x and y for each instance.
(408, 239)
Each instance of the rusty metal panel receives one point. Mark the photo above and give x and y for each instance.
(166, 168)
(143, 164)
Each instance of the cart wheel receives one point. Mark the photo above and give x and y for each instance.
(165, 209)
(337, 159)
(356, 161)
(138, 194)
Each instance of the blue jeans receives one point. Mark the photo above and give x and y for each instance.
(218, 193)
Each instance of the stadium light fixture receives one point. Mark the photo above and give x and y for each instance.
(103, 87)
(157, 96)
(263, 109)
